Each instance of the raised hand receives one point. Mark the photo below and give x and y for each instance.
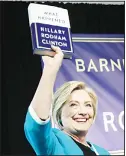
(53, 64)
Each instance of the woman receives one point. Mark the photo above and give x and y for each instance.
(73, 109)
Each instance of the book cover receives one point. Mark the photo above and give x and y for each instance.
(49, 25)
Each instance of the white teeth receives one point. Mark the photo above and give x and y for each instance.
(81, 120)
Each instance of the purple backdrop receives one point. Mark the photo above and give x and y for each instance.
(101, 65)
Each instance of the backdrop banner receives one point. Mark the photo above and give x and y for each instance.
(98, 60)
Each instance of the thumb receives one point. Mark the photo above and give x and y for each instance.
(56, 49)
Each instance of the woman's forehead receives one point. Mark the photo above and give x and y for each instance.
(80, 96)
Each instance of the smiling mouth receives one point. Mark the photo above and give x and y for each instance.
(80, 119)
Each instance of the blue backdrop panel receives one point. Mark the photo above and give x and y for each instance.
(100, 64)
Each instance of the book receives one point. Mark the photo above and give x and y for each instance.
(49, 25)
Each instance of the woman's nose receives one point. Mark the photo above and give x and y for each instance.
(82, 111)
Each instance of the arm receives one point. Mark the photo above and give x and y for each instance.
(42, 99)
(38, 132)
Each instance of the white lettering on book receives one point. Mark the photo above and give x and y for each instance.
(53, 31)
(56, 43)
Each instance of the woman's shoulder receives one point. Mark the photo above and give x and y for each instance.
(61, 134)
(99, 149)
(58, 131)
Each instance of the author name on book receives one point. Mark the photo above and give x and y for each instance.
(53, 36)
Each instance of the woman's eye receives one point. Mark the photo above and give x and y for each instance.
(88, 105)
(73, 104)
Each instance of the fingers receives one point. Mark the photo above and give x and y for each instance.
(56, 54)
(44, 58)
(57, 49)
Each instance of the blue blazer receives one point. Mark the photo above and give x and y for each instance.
(46, 140)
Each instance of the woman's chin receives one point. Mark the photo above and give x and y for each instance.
(78, 129)
(81, 127)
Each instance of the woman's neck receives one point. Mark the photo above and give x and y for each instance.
(79, 138)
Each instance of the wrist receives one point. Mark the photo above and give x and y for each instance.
(48, 75)
(49, 72)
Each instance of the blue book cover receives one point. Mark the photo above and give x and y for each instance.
(49, 25)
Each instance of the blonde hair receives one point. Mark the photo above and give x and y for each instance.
(62, 95)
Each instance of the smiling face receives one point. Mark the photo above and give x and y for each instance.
(77, 114)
